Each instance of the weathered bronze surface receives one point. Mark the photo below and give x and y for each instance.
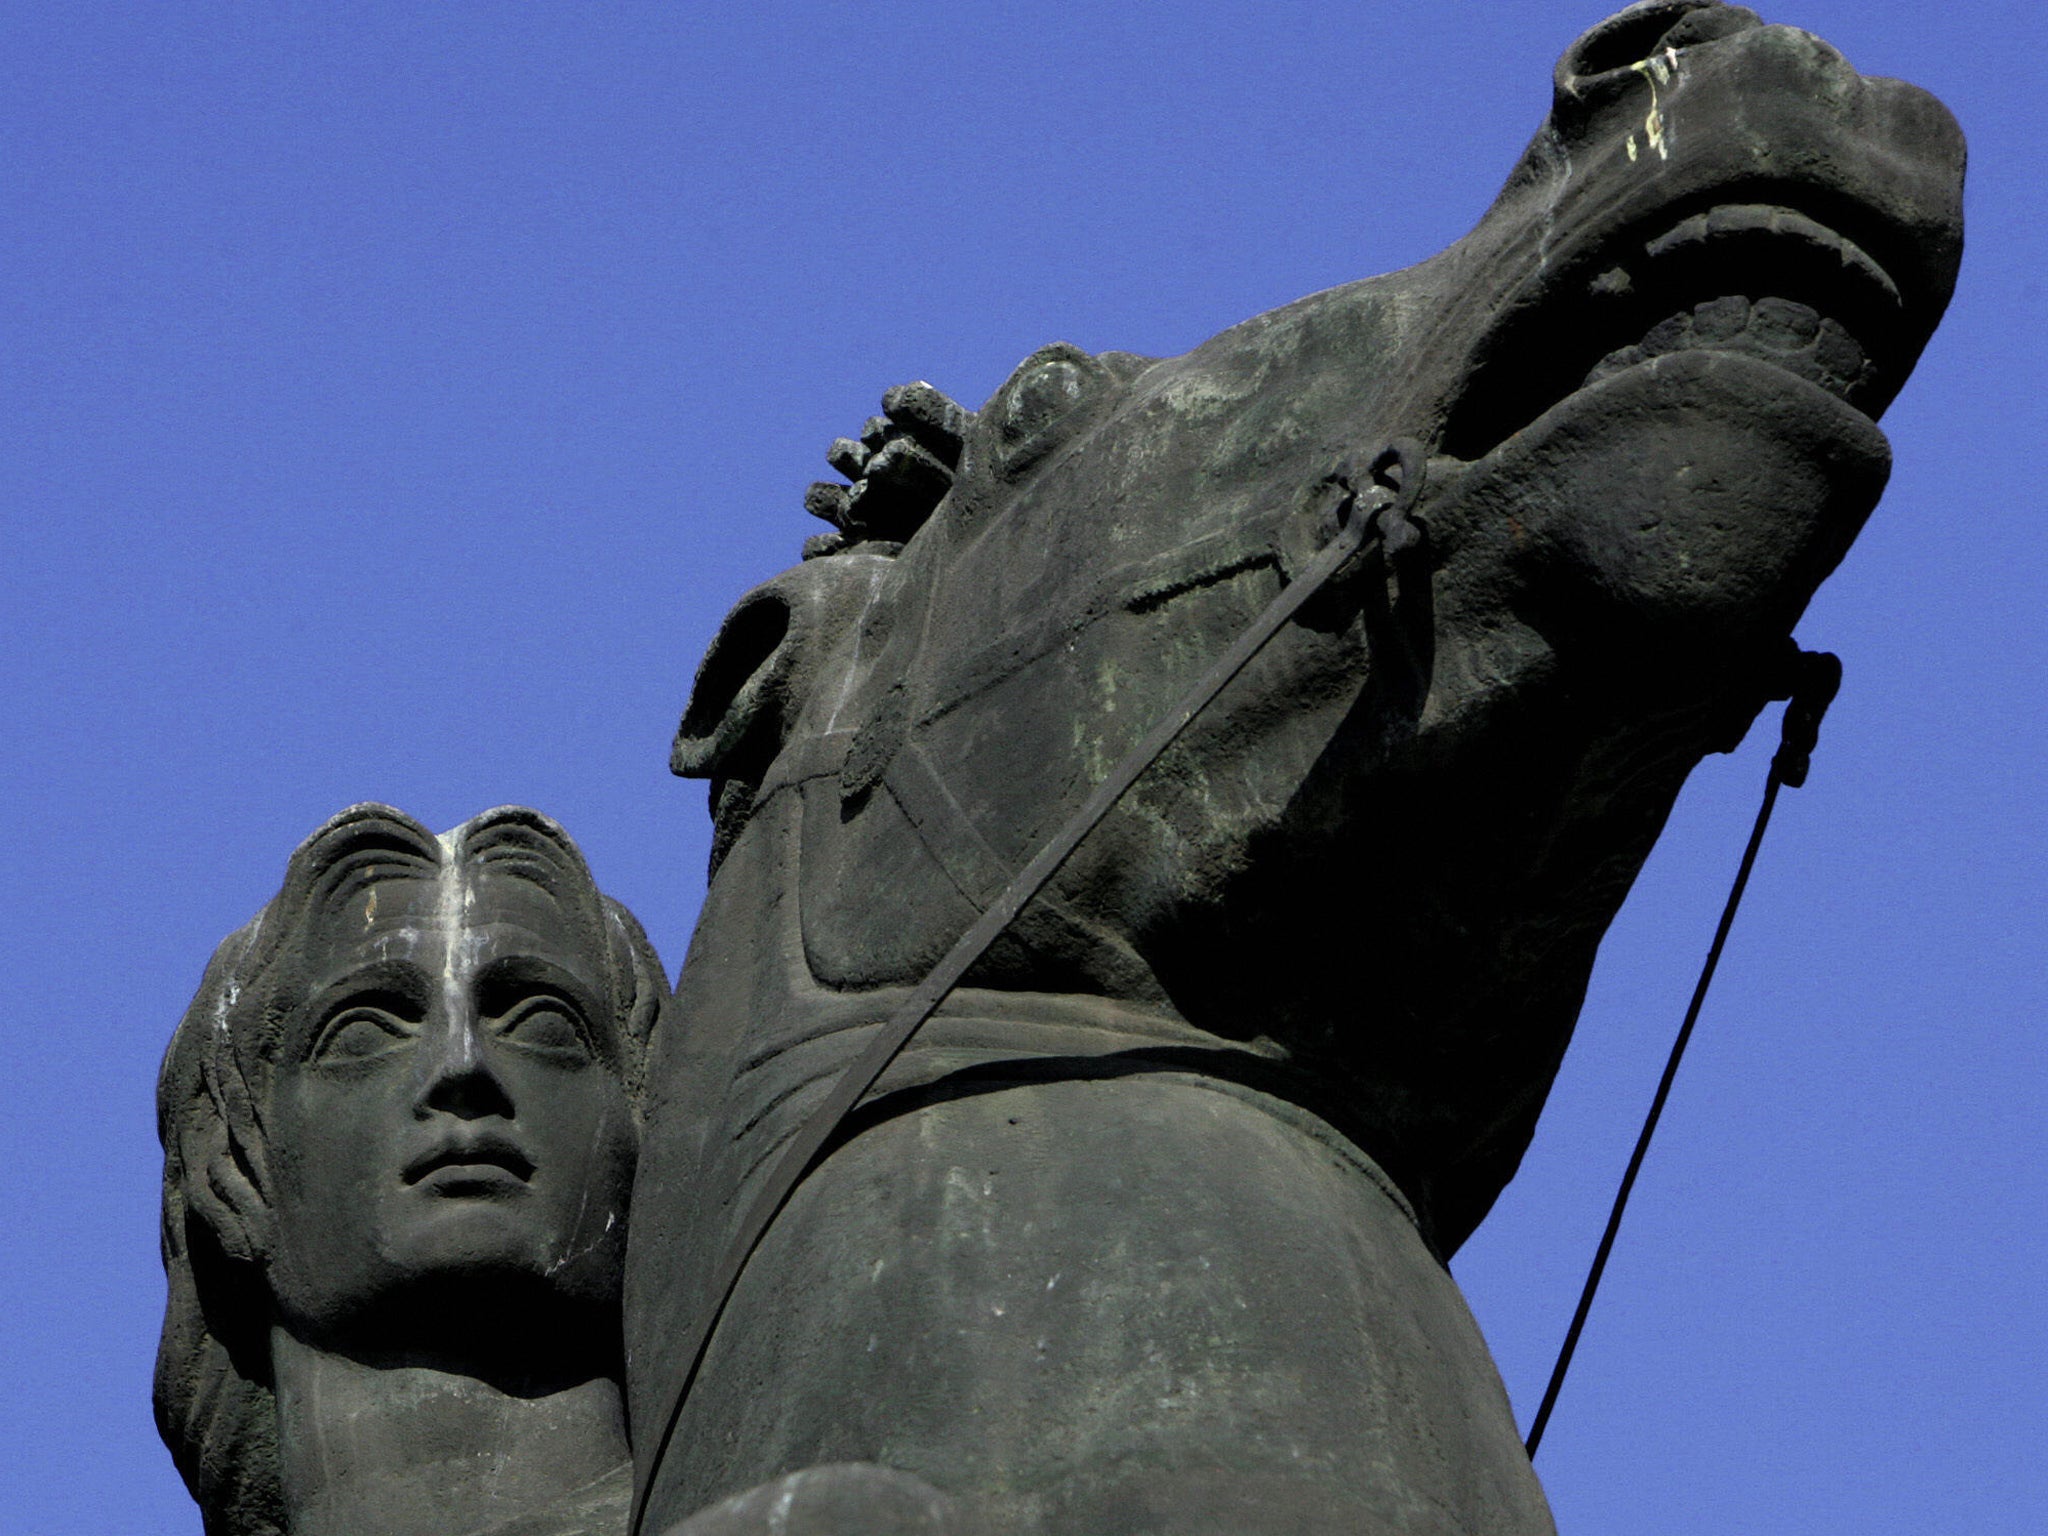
(1146, 1229)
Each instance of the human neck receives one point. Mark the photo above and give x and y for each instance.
(418, 1451)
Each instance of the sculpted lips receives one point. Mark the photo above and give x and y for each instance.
(480, 1162)
(1757, 279)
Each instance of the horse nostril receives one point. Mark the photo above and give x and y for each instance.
(1642, 31)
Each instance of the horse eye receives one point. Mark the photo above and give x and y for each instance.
(1041, 397)
(1039, 406)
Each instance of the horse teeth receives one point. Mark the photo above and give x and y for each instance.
(1783, 324)
(1791, 335)
(1668, 336)
(1615, 362)
(1721, 319)
(1838, 351)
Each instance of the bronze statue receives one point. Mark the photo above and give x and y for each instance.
(1147, 1228)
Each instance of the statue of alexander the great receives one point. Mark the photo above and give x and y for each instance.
(1146, 1227)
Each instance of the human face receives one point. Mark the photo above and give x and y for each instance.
(446, 1117)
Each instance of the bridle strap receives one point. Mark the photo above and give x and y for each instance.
(1395, 483)
(1813, 678)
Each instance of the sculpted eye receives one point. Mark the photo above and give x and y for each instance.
(1041, 396)
(548, 1027)
(1033, 409)
(359, 1034)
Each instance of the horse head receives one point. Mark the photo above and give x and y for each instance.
(1647, 384)
(1353, 907)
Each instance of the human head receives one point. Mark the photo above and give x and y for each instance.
(405, 1093)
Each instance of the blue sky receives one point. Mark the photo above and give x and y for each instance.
(396, 397)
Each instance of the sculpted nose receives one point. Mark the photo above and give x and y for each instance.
(459, 1079)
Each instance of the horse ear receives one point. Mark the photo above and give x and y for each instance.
(761, 668)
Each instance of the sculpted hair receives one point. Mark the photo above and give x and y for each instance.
(215, 1406)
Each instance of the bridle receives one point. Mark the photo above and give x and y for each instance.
(1375, 509)
(1375, 513)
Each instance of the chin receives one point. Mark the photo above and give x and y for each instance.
(483, 1242)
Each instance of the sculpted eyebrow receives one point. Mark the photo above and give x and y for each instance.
(398, 986)
(505, 981)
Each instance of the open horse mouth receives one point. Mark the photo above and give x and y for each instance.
(1758, 279)
(1818, 293)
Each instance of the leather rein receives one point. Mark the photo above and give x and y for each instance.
(1379, 512)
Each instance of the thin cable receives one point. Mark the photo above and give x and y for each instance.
(1816, 676)
(1635, 1162)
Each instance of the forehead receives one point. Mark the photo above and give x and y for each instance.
(474, 919)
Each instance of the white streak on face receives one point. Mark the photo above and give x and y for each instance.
(572, 1250)
(406, 935)
(458, 951)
